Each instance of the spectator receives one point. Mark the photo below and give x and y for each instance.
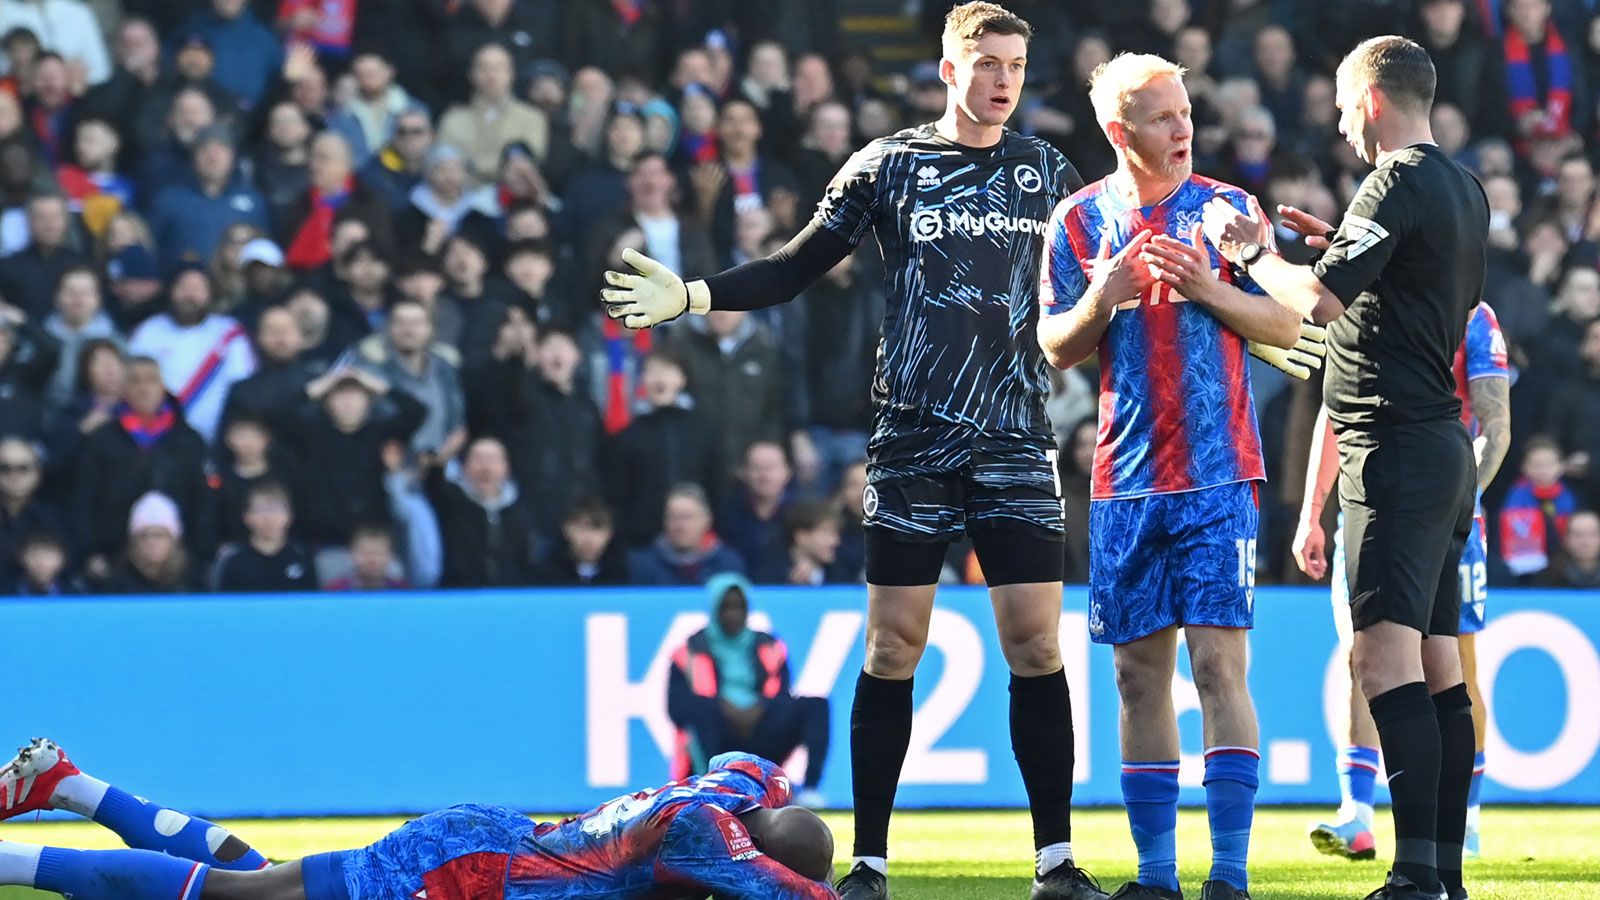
(735, 371)
(680, 241)
(1534, 516)
(1572, 205)
(686, 551)
(227, 268)
(493, 118)
(395, 168)
(124, 97)
(525, 28)
(728, 689)
(251, 460)
(90, 177)
(415, 522)
(132, 276)
(832, 397)
(1572, 418)
(587, 553)
(441, 202)
(50, 107)
(189, 218)
(479, 297)
(850, 499)
(743, 179)
(667, 446)
(28, 357)
(823, 150)
(753, 519)
(339, 434)
(99, 378)
(156, 561)
(22, 510)
(1579, 564)
(202, 353)
(306, 232)
(246, 51)
(601, 191)
(1281, 80)
(68, 27)
(326, 25)
(420, 278)
(616, 37)
(811, 537)
(488, 528)
(278, 384)
(529, 267)
(1470, 73)
(30, 275)
(41, 564)
(408, 358)
(367, 118)
(268, 561)
(1254, 139)
(78, 318)
(145, 445)
(372, 562)
(282, 163)
(1547, 83)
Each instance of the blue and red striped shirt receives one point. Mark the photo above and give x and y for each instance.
(1176, 410)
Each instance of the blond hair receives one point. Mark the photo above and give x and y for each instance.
(966, 23)
(1113, 83)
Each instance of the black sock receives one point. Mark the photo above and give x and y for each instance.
(1041, 739)
(1408, 730)
(1459, 747)
(880, 731)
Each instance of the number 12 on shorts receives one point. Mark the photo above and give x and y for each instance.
(1247, 568)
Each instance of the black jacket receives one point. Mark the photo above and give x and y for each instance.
(113, 473)
(553, 438)
(485, 545)
(561, 570)
(658, 450)
(241, 568)
(24, 375)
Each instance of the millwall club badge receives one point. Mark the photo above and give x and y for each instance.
(869, 501)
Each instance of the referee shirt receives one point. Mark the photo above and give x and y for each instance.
(1408, 262)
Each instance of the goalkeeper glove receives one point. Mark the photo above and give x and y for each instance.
(1299, 360)
(653, 297)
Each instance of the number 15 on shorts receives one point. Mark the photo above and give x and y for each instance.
(1247, 568)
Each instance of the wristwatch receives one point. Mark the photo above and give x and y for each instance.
(1249, 255)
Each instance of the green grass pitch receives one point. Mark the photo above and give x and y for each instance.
(1544, 853)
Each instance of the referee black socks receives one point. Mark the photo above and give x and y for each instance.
(880, 732)
(1408, 729)
(1041, 739)
(1458, 745)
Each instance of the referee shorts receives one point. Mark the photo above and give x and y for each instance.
(1407, 494)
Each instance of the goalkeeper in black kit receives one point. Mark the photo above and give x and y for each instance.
(960, 445)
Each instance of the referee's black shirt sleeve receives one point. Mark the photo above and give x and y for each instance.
(1379, 217)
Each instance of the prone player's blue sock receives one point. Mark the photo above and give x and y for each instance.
(1150, 791)
(1358, 776)
(118, 875)
(1231, 780)
(146, 826)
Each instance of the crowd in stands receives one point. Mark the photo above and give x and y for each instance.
(301, 294)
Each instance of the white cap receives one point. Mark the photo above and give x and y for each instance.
(260, 250)
(155, 510)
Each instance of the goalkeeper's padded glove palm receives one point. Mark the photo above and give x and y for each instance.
(653, 297)
(1299, 360)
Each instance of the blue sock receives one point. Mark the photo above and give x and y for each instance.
(1477, 781)
(1150, 791)
(1358, 775)
(145, 826)
(323, 877)
(1231, 781)
(119, 875)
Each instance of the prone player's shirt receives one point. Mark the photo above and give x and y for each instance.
(1481, 355)
(1176, 410)
(683, 840)
(961, 230)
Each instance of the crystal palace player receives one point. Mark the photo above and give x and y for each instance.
(961, 444)
(1483, 382)
(1173, 517)
(727, 833)
(1398, 282)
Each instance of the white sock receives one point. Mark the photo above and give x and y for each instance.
(876, 863)
(80, 794)
(1052, 855)
(19, 863)
(1363, 814)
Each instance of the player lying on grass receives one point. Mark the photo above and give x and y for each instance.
(729, 833)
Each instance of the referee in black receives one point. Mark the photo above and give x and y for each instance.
(1395, 287)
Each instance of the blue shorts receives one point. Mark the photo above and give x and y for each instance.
(1172, 559)
(463, 851)
(1474, 570)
